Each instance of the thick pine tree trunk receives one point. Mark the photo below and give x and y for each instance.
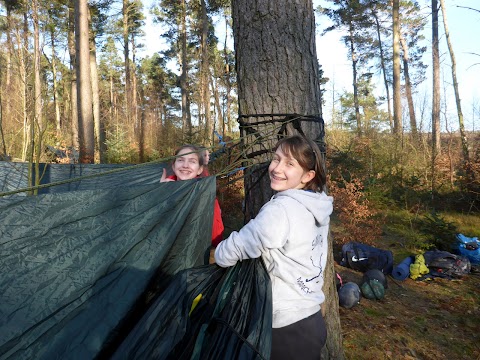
(277, 71)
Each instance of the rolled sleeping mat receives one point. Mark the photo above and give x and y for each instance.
(402, 270)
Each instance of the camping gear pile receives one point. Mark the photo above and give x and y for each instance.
(431, 264)
(377, 264)
(374, 263)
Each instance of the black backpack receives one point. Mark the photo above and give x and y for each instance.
(363, 257)
(446, 265)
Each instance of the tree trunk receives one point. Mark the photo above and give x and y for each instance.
(277, 72)
(126, 56)
(98, 122)
(355, 84)
(8, 70)
(22, 52)
(99, 126)
(73, 66)
(159, 124)
(384, 69)
(84, 86)
(3, 148)
(408, 87)
(186, 118)
(38, 119)
(112, 100)
(228, 85)
(205, 74)
(397, 97)
(436, 83)
(466, 156)
(141, 134)
(139, 131)
(220, 115)
(66, 110)
(56, 104)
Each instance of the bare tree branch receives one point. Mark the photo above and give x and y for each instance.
(469, 8)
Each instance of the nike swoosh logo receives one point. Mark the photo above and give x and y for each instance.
(354, 258)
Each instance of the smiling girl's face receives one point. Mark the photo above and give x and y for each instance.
(187, 166)
(286, 173)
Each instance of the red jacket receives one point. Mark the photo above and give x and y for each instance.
(217, 228)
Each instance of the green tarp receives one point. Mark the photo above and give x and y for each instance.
(207, 313)
(74, 266)
(14, 176)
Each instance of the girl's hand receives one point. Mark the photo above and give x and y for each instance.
(164, 177)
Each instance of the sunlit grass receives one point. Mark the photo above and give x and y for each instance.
(468, 224)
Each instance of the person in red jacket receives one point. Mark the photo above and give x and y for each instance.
(189, 164)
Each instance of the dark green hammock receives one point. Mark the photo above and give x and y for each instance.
(83, 270)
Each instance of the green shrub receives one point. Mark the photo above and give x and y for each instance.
(440, 233)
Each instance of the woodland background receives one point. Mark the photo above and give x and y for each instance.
(73, 89)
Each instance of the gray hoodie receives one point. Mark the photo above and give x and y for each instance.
(290, 234)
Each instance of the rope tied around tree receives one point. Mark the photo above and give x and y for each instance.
(288, 123)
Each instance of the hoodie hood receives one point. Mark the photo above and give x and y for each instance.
(319, 204)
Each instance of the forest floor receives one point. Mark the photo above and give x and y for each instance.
(432, 320)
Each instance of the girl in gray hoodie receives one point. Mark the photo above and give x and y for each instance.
(290, 234)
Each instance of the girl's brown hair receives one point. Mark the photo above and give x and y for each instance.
(308, 155)
(194, 149)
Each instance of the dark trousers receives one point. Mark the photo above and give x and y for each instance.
(302, 340)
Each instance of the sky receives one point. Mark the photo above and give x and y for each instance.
(464, 27)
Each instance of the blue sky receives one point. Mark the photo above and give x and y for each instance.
(464, 28)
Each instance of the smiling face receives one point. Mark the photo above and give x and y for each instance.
(187, 166)
(286, 173)
(206, 157)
